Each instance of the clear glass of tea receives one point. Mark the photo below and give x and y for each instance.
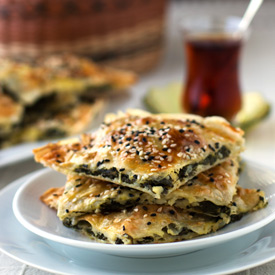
(212, 50)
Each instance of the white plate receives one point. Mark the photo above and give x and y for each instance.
(41, 220)
(242, 253)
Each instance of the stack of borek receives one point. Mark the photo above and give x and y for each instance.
(144, 178)
(54, 96)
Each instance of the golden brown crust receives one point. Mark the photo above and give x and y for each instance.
(59, 74)
(11, 113)
(148, 224)
(51, 196)
(155, 223)
(63, 123)
(152, 153)
(88, 195)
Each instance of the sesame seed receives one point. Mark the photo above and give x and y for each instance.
(145, 215)
(136, 209)
(173, 145)
(159, 209)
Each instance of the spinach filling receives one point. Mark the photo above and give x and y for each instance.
(212, 209)
(166, 182)
(211, 159)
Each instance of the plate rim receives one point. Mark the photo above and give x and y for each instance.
(194, 243)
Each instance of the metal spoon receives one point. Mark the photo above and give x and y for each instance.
(251, 10)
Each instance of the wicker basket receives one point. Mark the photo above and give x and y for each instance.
(123, 33)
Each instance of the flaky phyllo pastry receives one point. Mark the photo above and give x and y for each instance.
(120, 215)
(155, 154)
(143, 178)
(54, 96)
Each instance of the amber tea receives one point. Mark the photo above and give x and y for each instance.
(212, 80)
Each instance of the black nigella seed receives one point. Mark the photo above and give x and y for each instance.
(123, 228)
(128, 138)
(181, 130)
(190, 131)
(78, 185)
(165, 156)
(67, 210)
(159, 166)
(258, 190)
(99, 163)
(127, 145)
(147, 122)
(210, 147)
(162, 122)
(145, 208)
(202, 149)
(148, 223)
(131, 195)
(151, 158)
(119, 191)
(210, 175)
(59, 161)
(122, 169)
(153, 214)
(217, 145)
(188, 125)
(106, 160)
(129, 124)
(164, 149)
(144, 139)
(97, 196)
(197, 141)
(160, 138)
(118, 149)
(147, 153)
(187, 149)
(234, 204)
(137, 152)
(120, 142)
(135, 177)
(172, 212)
(211, 179)
(144, 160)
